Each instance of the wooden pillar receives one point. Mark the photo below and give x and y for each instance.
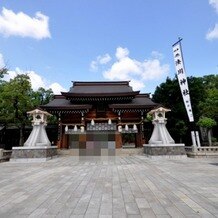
(138, 139)
(118, 139)
(140, 135)
(59, 132)
(65, 141)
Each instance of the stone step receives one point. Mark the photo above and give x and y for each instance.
(118, 152)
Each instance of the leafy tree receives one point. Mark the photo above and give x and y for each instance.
(15, 102)
(207, 123)
(169, 95)
(3, 71)
(209, 105)
(16, 98)
(197, 94)
(204, 100)
(41, 96)
(181, 129)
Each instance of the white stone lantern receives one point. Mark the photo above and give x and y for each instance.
(160, 133)
(161, 143)
(39, 116)
(38, 136)
(37, 147)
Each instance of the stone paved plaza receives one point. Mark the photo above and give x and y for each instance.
(133, 186)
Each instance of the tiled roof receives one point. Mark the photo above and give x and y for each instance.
(100, 87)
(60, 102)
(84, 90)
(117, 94)
(140, 101)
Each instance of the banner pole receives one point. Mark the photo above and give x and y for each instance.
(183, 84)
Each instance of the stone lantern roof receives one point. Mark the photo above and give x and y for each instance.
(39, 116)
(159, 113)
(159, 109)
(37, 111)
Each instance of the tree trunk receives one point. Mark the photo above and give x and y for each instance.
(21, 141)
(209, 137)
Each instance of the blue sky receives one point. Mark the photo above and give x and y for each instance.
(56, 42)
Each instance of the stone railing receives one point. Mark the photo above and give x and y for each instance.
(202, 151)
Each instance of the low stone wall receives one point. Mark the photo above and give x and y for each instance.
(5, 155)
(211, 151)
(33, 154)
(169, 149)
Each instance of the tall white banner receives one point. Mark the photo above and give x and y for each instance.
(182, 79)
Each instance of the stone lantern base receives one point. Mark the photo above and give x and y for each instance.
(164, 149)
(37, 147)
(33, 154)
(161, 143)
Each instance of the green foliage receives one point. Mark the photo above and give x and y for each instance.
(148, 118)
(181, 127)
(206, 122)
(3, 71)
(17, 97)
(169, 95)
(52, 120)
(128, 138)
(203, 92)
(209, 105)
(204, 100)
(41, 96)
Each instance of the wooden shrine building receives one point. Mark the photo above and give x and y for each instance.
(100, 114)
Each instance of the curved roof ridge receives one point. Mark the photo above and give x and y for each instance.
(88, 83)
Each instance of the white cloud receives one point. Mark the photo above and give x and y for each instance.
(11, 74)
(157, 54)
(57, 88)
(126, 68)
(213, 34)
(137, 85)
(36, 80)
(214, 4)
(94, 66)
(123, 69)
(121, 53)
(100, 60)
(20, 24)
(152, 69)
(104, 59)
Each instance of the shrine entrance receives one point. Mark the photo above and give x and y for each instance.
(100, 115)
(128, 140)
(93, 143)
